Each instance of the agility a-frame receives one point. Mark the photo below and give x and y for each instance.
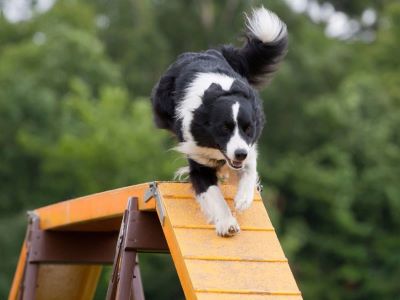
(67, 244)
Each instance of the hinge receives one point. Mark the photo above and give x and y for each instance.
(152, 192)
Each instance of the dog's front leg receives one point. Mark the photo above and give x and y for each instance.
(247, 182)
(204, 180)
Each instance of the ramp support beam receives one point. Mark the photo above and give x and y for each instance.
(140, 231)
(28, 286)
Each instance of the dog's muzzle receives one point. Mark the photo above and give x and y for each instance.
(234, 164)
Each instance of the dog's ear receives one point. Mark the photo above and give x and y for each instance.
(239, 87)
(212, 93)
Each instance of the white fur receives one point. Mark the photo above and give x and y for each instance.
(265, 25)
(182, 174)
(236, 141)
(247, 181)
(217, 211)
(193, 97)
(235, 110)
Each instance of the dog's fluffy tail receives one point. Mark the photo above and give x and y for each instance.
(266, 46)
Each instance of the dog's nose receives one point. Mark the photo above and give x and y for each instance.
(240, 154)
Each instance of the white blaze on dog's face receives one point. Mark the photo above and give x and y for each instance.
(237, 147)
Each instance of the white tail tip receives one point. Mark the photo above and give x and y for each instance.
(265, 25)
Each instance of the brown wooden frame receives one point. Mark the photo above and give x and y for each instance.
(140, 232)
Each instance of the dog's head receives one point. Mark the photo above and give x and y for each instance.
(230, 121)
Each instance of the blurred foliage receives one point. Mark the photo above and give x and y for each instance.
(356, 7)
(75, 119)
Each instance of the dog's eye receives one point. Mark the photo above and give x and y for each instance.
(227, 127)
(248, 130)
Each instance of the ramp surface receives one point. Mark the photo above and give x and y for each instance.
(250, 265)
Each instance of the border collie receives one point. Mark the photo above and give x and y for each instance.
(210, 102)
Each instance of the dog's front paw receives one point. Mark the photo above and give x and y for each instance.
(227, 227)
(244, 199)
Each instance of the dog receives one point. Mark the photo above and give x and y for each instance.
(209, 100)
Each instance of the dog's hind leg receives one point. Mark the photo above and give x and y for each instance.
(204, 180)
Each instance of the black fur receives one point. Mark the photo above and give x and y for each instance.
(256, 61)
(202, 176)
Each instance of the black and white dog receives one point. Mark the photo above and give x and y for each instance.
(208, 100)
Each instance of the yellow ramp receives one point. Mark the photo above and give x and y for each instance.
(250, 265)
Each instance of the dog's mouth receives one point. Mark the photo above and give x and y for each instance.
(234, 164)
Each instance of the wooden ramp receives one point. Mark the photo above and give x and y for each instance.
(250, 265)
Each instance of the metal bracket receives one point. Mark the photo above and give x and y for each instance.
(152, 192)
